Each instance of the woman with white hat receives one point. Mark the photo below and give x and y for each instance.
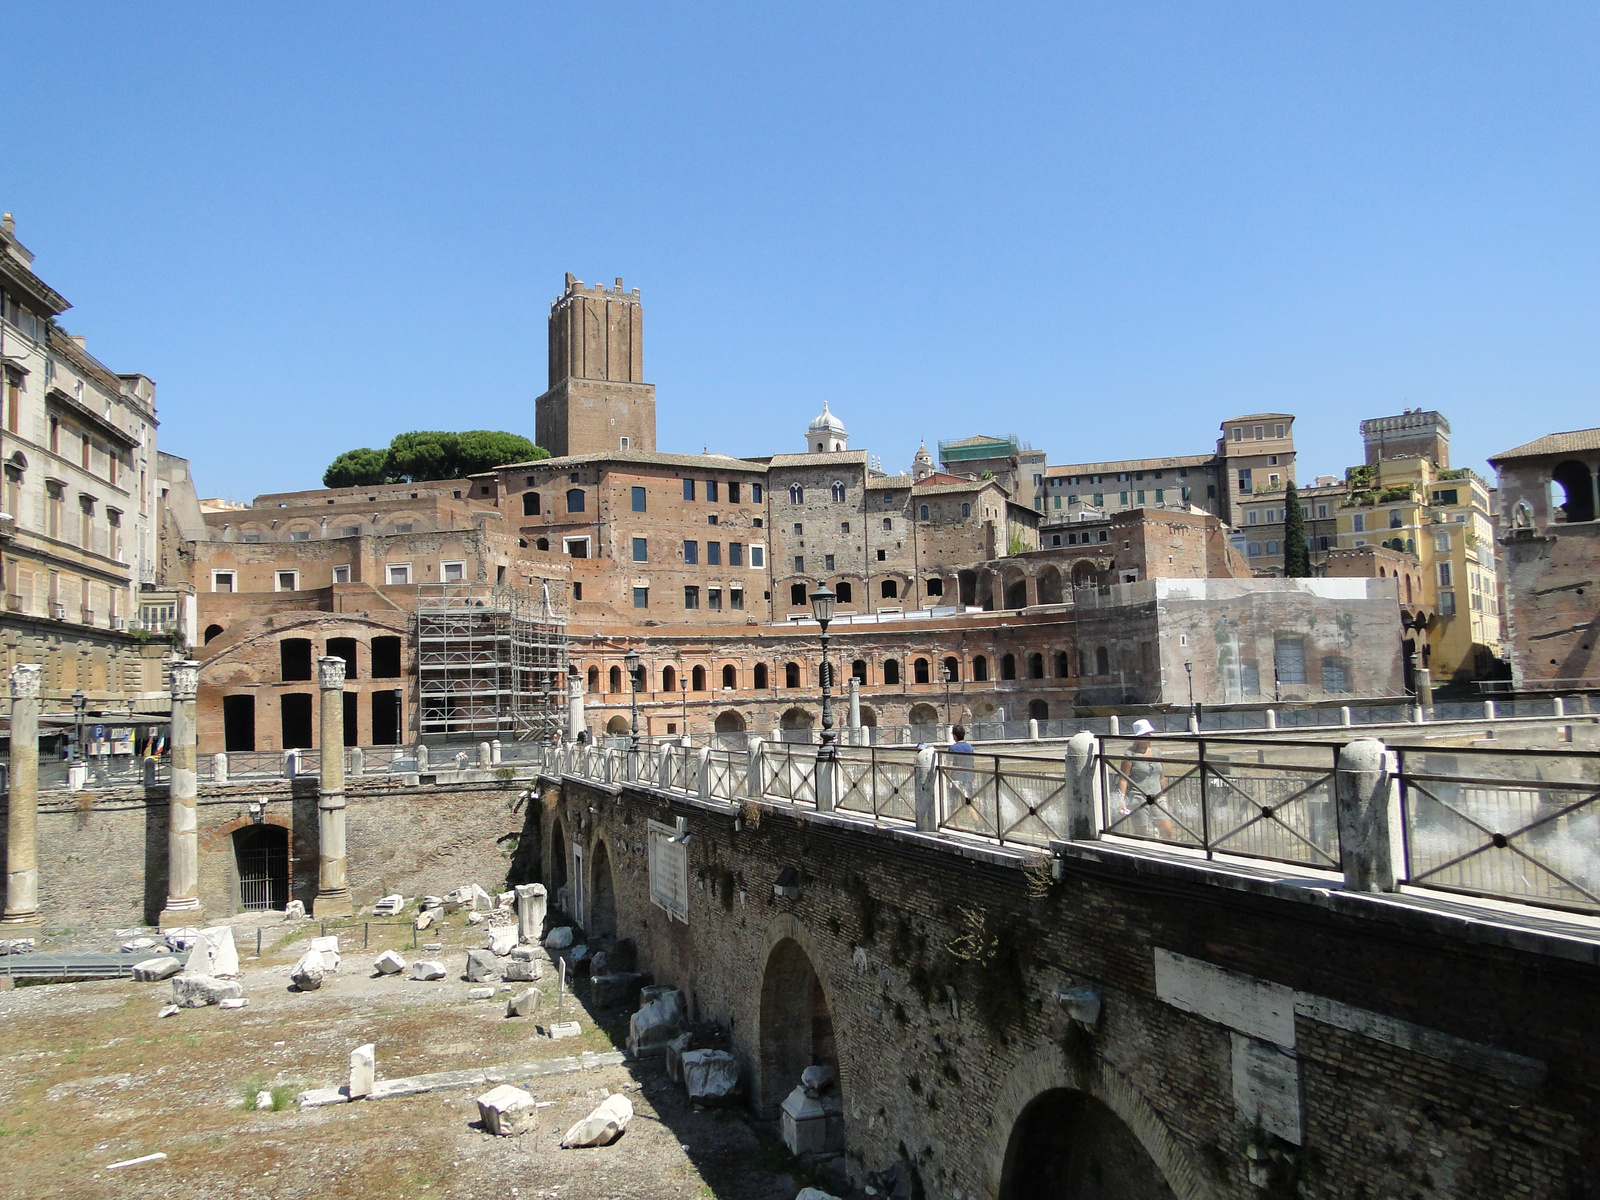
(1141, 776)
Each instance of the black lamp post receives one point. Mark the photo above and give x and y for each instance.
(79, 703)
(822, 608)
(1188, 669)
(399, 717)
(631, 659)
(949, 678)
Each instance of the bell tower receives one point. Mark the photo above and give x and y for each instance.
(597, 401)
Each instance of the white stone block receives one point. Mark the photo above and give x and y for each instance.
(1243, 1003)
(1266, 1088)
(424, 918)
(480, 993)
(363, 1069)
(307, 974)
(295, 910)
(197, 991)
(328, 947)
(559, 938)
(507, 1111)
(234, 1002)
(502, 940)
(711, 1076)
(138, 945)
(213, 952)
(153, 970)
(389, 906)
(389, 963)
(524, 1003)
(565, 1029)
(427, 969)
(522, 970)
(603, 1126)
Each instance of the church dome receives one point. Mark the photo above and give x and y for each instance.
(826, 422)
(826, 434)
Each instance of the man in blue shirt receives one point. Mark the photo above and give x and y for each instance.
(961, 774)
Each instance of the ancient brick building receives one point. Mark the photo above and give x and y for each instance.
(1552, 555)
(597, 400)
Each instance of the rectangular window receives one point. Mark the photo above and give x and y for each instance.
(691, 597)
(1250, 517)
(1245, 487)
(1256, 432)
(1441, 541)
(1254, 549)
(1448, 496)
(1099, 500)
(252, 538)
(844, 526)
(288, 581)
(799, 564)
(713, 554)
(714, 599)
(1160, 495)
(758, 556)
(1358, 523)
(341, 574)
(350, 531)
(1211, 491)
(755, 493)
(1277, 431)
(827, 562)
(711, 489)
(733, 492)
(638, 499)
(641, 597)
(300, 535)
(688, 489)
(399, 573)
(1238, 433)
(1444, 574)
(1290, 659)
(453, 572)
(1272, 547)
(577, 590)
(888, 524)
(576, 547)
(1322, 511)
(691, 552)
(1447, 604)
(712, 519)
(221, 581)
(883, 556)
(1070, 500)
(1395, 519)
(736, 599)
(1124, 499)
(1141, 496)
(641, 550)
(624, 446)
(403, 527)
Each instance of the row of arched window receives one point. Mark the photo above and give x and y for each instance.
(891, 673)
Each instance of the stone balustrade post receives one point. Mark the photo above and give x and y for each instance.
(1344, 715)
(531, 901)
(755, 784)
(422, 757)
(826, 779)
(183, 847)
(1081, 759)
(703, 772)
(1033, 729)
(485, 756)
(1488, 710)
(358, 761)
(22, 821)
(927, 790)
(1116, 726)
(1368, 811)
(1558, 706)
(333, 886)
(1272, 718)
(219, 768)
(575, 721)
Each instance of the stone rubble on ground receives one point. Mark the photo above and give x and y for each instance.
(558, 938)
(234, 1002)
(530, 900)
(213, 952)
(424, 919)
(16, 945)
(389, 906)
(426, 969)
(197, 991)
(182, 939)
(524, 1003)
(603, 1126)
(138, 944)
(812, 1193)
(614, 990)
(169, 1010)
(328, 947)
(482, 965)
(432, 947)
(506, 900)
(711, 1076)
(263, 1100)
(389, 963)
(502, 940)
(480, 993)
(507, 1111)
(476, 918)
(295, 910)
(522, 970)
(659, 1019)
(363, 1069)
(154, 970)
(308, 972)
(676, 1049)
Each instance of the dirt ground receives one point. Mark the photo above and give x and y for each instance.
(89, 1076)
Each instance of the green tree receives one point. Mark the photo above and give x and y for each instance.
(357, 468)
(1296, 554)
(431, 454)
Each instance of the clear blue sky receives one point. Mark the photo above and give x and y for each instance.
(1101, 227)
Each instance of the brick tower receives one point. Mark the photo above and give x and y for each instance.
(597, 402)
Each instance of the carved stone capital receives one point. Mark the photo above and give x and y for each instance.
(330, 673)
(185, 679)
(25, 681)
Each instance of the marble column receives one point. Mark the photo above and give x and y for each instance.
(333, 888)
(575, 718)
(22, 824)
(183, 850)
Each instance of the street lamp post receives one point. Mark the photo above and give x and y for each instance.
(822, 608)
(79, 703)
(949, 673)
(399, 717)
(1188, 669)
(631, 660)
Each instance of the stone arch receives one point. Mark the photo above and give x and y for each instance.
(796, 1016)
(614, 681)
(986, 579)
(619, 724)
(1574, 479)
(1038, 710)
(759, 677)
(1050, 585)
(263, 859)
(602, 895)
(730, 677)
(556, 864)
(697, 679)
(1083, 573)
(1016, 591)
(669, 679)
(594, 679)
(730, 721)
(923, 714)
(967, 588)
(869, 717)
(795, 725)
(212, 633)
(1045, 1071)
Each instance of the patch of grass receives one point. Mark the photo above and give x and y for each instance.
(283, 1096)
(249, 1090)
(74, 1054)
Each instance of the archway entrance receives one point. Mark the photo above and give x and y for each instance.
(261, 853)
(1068, 1146)
(602, 920)
(556, 868)
(796, 1027)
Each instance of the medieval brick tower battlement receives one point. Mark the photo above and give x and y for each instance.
(597, 401)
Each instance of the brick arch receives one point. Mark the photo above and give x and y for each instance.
(1045, 1069)
(788, 928)
(223, 832)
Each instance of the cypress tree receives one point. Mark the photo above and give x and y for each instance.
(1296, 554)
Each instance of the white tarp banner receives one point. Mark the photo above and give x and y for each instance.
(669, 872)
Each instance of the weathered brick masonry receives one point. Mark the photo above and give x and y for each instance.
(1474, 1074)
(102, 855)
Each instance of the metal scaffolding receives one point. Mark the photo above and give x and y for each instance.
(491, 660)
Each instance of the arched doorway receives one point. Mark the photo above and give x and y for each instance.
(1067, 1144)
(556, 868)
(796, 1030)
(730, 722)
(261, 853)
(602, 920)
(795, 725)
(618, 726)
(1050, 585)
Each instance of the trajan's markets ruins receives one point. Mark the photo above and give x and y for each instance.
(640, 822)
